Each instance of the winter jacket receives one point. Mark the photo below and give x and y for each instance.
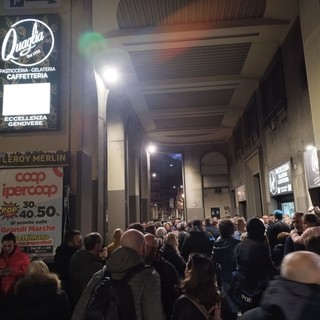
(62, 264)
(38, 297)
(290, 246)
(174, 257)
(185, 309)
(83, 265)
(18, 263)
(145, 286)
(300, 239)
(287, 300)
(223, 258)
(169, 279)
(274, 229)
(197, 240)
(254, 261)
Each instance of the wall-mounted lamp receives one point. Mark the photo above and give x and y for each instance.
(110, 75)
(152, 148)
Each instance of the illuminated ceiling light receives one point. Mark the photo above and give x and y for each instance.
(171, 165)
(111, 75)
(152, 148)
(310, 147)
(154, 175)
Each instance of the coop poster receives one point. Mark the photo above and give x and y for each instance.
(31, 207)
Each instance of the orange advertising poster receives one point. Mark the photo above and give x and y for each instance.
(31, 207)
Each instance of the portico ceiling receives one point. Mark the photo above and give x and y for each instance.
(192, 65)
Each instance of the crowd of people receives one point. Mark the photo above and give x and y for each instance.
(189, 270)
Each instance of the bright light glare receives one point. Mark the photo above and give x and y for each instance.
(151, 148)
(26, 99)
(310, 147)
(154, 175)
(111, 75)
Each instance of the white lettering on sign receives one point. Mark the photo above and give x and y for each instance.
(26, 121)
(28, 51)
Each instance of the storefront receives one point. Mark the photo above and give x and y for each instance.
(33, 199)
(280, 188)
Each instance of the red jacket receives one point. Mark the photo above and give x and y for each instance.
(18, 262)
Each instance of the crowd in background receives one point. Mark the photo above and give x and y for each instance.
(192, 269)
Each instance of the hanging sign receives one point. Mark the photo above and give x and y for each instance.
(28, 73)
(311, 165)
(280, 181)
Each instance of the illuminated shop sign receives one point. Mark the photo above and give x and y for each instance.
(28, 73)
(280, 181)
(31, 207)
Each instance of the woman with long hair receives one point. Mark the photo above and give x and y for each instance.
(200, 298)
(170, 252)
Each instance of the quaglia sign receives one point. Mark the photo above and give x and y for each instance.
(28, 73)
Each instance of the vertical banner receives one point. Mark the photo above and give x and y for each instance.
(31, 202)
(311, 165)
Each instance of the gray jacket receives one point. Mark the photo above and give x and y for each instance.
(145, 286)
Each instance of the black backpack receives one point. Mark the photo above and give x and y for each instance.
(244, 294)
(112, 299)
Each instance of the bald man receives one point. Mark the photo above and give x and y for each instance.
(295, 295)
(145, 284)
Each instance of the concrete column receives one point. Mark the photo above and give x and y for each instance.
(133, 171)
(193, 187)
(116, 214)
(145, 183)
(83, 113)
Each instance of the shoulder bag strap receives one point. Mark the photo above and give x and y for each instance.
(199, 306)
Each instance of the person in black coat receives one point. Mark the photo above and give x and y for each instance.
(253, 258)
(223, 258)
(293, 296)
(223, 253)
(277, 227)
(169, 277)
(39, 296)
(198, 240)
(72, 243)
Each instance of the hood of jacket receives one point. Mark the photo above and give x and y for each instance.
(36, 289)
(291, 297)
(121, 260)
